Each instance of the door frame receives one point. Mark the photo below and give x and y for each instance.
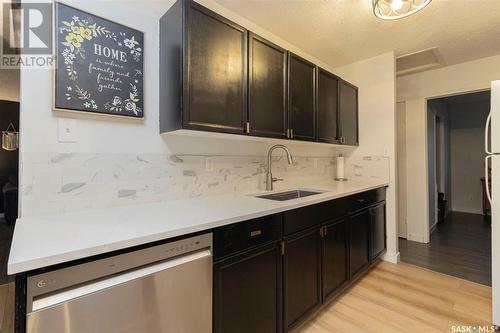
(427, 173)
(401, 172)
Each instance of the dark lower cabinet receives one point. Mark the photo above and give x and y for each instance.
(335, 254)
(301, 276)
(359, 242)
(267, 111)
(247, 292)
(273, 272)
(378, 231)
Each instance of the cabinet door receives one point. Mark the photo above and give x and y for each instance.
(267, 88)
(348, 95)
(215, 72)
(301, 98)
(328, 116)
(247, 292)
(335, 241)
(301, 276)
(359, 251)
(378, 231)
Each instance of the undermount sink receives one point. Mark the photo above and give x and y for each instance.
(289, 195)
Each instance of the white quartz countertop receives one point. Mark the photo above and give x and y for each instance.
(42, 241)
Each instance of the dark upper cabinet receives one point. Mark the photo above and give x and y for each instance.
(216, 76)
(335, 254)
(247, 292)
(203, 71)
(359, 242)
(328, 107)
(348, 110)
(267, 70)
(301, 98)
(301, 276)
(378, 231)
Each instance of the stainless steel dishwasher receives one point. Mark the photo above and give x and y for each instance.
(161, 289)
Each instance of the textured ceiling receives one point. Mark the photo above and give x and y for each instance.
(339, 32)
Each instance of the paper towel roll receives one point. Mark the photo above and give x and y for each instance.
(340, 168)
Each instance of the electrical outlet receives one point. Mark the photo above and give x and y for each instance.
(209, 164)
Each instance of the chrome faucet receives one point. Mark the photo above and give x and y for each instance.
(269, 177)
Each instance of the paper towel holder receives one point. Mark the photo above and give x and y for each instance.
(340, 176)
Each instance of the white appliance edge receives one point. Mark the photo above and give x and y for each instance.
(495, 194)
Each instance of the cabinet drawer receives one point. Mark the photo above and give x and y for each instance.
(301, 219)
(365, 199)
(335, 209)
(246, 235)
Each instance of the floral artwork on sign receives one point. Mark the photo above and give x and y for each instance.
(99, 65)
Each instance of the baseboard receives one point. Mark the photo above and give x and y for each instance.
(391, 257)
(416, 238)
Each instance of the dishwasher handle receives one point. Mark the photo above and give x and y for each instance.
(69, 294)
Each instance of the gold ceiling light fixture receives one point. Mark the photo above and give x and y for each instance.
(396, 9)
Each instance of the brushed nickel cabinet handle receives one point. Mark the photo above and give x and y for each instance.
(255, 233)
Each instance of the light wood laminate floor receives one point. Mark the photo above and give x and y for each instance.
(404, 298)
(7, 308)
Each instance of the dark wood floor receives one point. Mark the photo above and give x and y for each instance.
(6, 232)
(460, 246)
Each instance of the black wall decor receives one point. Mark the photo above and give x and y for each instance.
(99, 65)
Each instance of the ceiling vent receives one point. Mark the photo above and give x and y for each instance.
(418, 62)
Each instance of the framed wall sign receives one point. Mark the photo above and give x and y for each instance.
(99, 65)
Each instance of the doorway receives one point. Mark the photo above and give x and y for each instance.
(459, 227)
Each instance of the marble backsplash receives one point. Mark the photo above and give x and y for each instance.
(58, 183)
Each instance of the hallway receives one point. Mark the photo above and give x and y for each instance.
(460, 246)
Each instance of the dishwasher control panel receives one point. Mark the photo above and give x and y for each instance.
(49, 282)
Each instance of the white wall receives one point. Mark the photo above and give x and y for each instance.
(375, 78)
(415, 90)
(467, 155)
